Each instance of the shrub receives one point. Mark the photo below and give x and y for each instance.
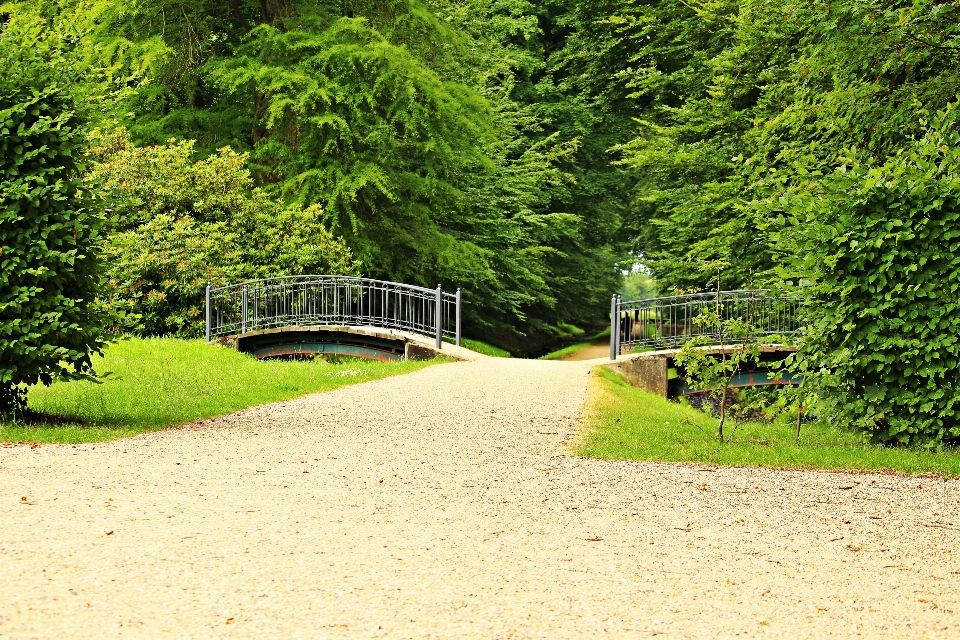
(180, 223)
(881, 247)
(49, 272)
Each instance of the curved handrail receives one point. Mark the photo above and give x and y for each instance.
(668, 322)
(306, 277)
(331, 300)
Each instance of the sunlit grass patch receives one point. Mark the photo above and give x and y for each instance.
(485, 348)
(157, 383)
(624, 423)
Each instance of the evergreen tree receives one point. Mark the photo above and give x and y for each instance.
(404, 122)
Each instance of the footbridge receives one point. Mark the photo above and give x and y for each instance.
(341, 315)
(646, 335)
(333, 315)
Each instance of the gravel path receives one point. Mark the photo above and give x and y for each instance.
(443, 503)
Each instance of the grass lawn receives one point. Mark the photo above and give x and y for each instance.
(158, 383)
(485, 348)
(624, 423)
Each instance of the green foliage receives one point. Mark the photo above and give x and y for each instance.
(853, 76)
(668, 66)
(357, 122)
(164, 382)
(406, 122)
(49, 272)
(544, 83)
(743, 107)
(740, 99)
(179, 224)
(714, 372)
(639, 285)
(881, 256)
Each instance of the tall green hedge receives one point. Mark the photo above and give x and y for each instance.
(49, 274)
(881, 250)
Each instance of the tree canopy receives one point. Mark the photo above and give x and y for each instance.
(418, 128)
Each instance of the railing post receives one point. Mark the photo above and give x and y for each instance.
(207, 314)
(613, 327)
(243, 323)
(439, 317)
(458, 316)
(619, 300)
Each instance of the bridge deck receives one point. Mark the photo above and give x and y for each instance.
(292, 340)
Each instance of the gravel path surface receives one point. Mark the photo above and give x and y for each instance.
(444, 504)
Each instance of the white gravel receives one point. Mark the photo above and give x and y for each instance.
(444, 503)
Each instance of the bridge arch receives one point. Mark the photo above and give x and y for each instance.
(310, 314)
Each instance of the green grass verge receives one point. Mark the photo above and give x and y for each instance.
(485, 348)
(569, 330)
(574, 348)
(158, 383)
(624, 423)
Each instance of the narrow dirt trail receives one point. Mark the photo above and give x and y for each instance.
(592, 352)
(444, 504)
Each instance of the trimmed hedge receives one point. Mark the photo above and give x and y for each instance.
(882, 247)
(49, 273)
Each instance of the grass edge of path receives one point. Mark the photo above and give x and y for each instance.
(161, 383)
(621, 422)
(484, 348)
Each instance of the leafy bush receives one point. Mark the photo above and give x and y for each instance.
(49, 273)
(180, 223)
(881, 249)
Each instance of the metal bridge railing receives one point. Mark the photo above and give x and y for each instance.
(669, 322)
(332, 301)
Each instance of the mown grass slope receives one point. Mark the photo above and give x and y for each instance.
(156, 383)
(622, 422)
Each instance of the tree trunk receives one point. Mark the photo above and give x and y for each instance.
(723, 412)
(800, 406)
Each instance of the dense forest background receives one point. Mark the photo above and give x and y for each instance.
(535, 153)
(531, 153)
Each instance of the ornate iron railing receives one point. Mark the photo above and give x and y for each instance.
(332, 301)
(669, 322)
